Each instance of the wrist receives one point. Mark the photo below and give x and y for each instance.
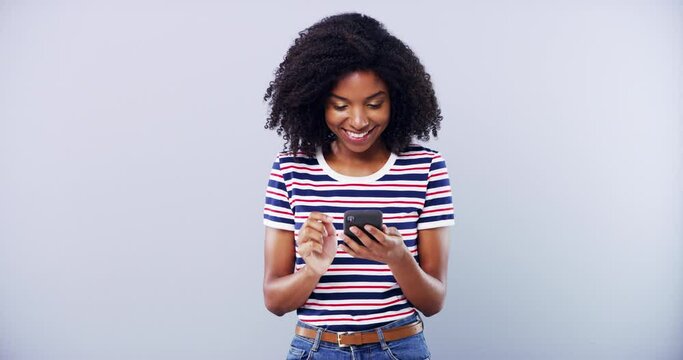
(403, 256)
(310, 272)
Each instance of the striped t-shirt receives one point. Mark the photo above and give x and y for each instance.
(413, 192)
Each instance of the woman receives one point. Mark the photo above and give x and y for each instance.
(349, 98)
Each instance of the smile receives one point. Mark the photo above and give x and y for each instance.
(357, 137)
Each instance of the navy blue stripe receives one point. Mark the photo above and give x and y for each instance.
(438, 183)
(299, 160)
(277, 185)
(437, 166)
(428, 219)
(303, 311)
(342, 328)
(404, 177)
(413, 161)
(278, 203)
(419, 195)
(438, 201)
(340, 209)
(354, 261)
(350, 278)
(345, 261)
(278, 219)
(303, 176)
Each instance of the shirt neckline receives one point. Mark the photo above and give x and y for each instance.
(346, 178)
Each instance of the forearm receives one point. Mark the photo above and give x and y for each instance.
(289, 292)
(424, 291)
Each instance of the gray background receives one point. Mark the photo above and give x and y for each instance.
(133, 164)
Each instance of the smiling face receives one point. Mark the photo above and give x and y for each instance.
(357, 112)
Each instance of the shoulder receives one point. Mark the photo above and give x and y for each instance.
(419, 151)
(284, 158)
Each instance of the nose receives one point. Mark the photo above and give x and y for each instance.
(359, 120)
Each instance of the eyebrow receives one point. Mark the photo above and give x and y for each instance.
(367, 98)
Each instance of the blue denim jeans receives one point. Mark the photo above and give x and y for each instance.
(409, 348)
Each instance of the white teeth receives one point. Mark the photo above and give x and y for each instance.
(357, 135)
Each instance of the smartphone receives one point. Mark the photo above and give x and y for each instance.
(360, 218)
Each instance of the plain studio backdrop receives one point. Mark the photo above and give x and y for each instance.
(133, 166)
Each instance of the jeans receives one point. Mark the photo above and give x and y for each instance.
(411, 347)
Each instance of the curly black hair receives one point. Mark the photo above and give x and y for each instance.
(332, 48)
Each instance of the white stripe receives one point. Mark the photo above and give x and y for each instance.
(355, 304)
(435, 224)
(359, 319)
(278, 225)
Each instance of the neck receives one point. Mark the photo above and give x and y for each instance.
(378, 152)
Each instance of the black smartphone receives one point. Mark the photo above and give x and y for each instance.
(360, 218)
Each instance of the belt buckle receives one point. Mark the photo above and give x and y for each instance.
(339, 335)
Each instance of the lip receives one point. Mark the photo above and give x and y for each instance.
(358, 140)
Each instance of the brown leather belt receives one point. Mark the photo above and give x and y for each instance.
(362, 337)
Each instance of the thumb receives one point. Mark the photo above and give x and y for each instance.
(329, 228)
(390, 230)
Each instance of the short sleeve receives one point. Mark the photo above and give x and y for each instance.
(277, 212)
(438, 208)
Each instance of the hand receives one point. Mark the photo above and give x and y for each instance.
(389, 247)
(317, 242)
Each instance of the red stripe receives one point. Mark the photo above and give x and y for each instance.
(357, 304)
(274, 193)
(354, 287)
(366, 185)
(276, 175)
(436, 174)
(438, 192)
(389, 217)
(386, 217)
(363, 319)
(356, 269)
(419, 153)
(359, 202)
(435, 210)
(299, 168)
(399, 216)
(280, 212)
(408, 169)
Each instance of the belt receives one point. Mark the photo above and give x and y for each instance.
(362, 337)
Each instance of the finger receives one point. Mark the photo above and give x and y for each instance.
(376, 233)
(312, 234)
(309, 235)
(318, 216)
(390, 230)
(363, 237)
(309, 248)
(352, 244)
(315, 225)
(329, 229)
(348, 249)
(302, 250)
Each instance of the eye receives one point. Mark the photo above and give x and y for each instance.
(339, 107)
(375, 106)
